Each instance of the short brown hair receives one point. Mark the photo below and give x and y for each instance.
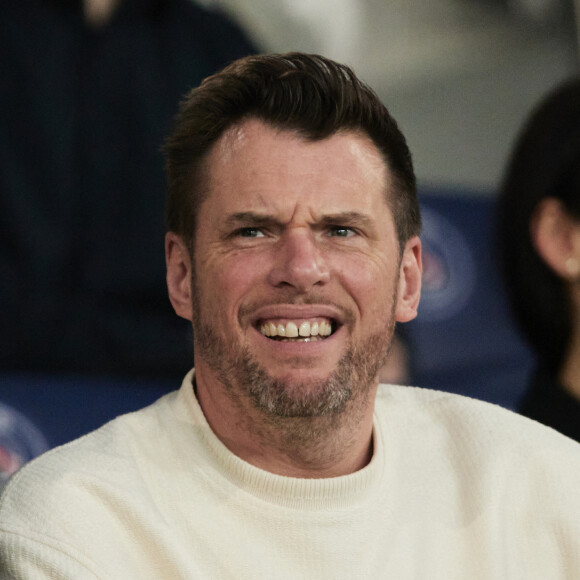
(309, 94)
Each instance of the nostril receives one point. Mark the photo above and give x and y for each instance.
(300, 276)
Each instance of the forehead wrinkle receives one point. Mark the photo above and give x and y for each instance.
(238, 135)
(235, 138)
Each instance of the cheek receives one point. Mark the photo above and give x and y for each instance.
(241, 272)
(227, 283)
(372, 285)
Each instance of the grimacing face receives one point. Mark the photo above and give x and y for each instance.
(298, 277)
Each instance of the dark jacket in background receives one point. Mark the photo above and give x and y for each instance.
(548, 402)
(83, 113)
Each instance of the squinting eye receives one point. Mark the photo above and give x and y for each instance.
(250, 233)
(340, 232)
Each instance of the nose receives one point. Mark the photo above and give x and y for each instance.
(299, 262)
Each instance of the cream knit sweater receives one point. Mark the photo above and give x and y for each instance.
(457, 490)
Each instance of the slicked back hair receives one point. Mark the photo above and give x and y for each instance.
(309, 94)
(545, 163)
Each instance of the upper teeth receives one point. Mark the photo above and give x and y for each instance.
(294, 329)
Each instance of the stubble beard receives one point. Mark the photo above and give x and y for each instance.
(284, 402)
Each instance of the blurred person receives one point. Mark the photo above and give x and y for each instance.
(88, 93)
(539, 249)
(293, 249)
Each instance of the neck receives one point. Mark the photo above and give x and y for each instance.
(570, 371)
(305, 447)
(99, 12)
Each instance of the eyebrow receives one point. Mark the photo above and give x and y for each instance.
(350, 218)
(250, 218)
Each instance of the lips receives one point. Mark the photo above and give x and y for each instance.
(292, 322)
(296, 330)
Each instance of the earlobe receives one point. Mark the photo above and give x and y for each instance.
(178, 277)
(556, 237)
(409, 291)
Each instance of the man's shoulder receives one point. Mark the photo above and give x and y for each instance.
(504, 464)
(475, 426)
(103, 458)
(82, 499)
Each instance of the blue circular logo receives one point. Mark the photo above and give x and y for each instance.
(20, 441)
(448, 268)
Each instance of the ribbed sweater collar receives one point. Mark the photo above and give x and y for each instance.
(337, 492)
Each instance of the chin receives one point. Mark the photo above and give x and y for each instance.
(300, 394)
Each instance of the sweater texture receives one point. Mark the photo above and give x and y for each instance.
(456, 489)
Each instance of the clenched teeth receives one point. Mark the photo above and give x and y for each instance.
(304, 330)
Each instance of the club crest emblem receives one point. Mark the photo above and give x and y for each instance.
(20, 441)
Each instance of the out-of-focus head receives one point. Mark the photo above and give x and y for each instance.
(308, 94)
(543, 176)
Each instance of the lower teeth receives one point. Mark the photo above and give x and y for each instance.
(299, 339)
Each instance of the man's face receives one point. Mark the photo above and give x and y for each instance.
(296, 284)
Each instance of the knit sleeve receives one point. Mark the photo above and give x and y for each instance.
(24, 557)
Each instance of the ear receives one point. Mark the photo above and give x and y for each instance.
(410, 271)
(556, 237)
(178, 277)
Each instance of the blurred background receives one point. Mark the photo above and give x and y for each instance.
(460, 77)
